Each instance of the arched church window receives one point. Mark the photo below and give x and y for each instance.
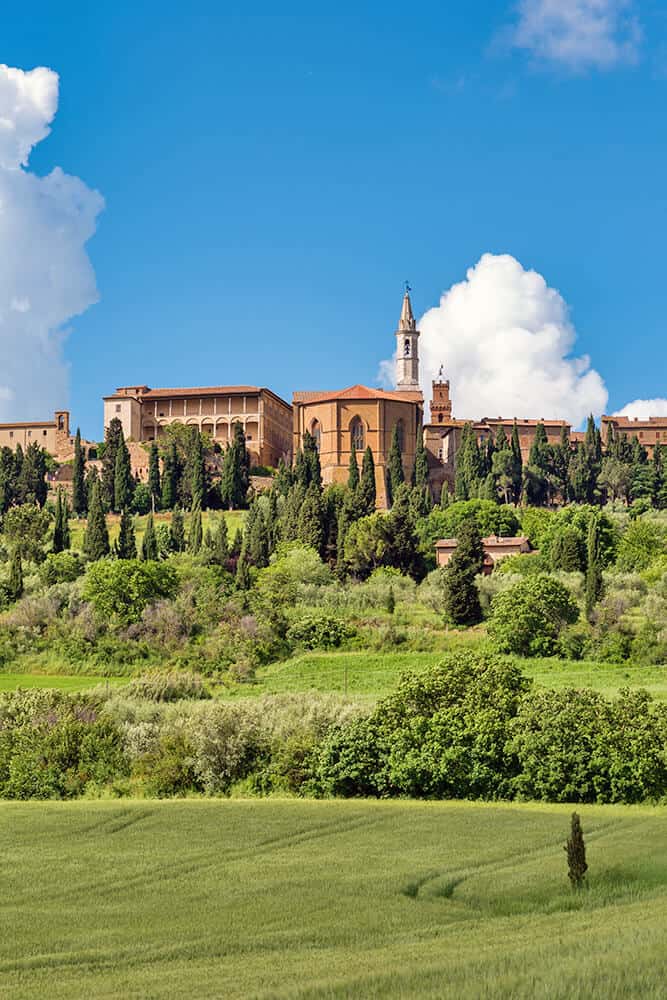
(357, 434)
(316, 433)
(440, 418)
(406, 348)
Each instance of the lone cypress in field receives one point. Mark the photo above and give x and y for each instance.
(593, 566)
(126, 546)
(61, 535)
(576, 854)
(461, 602)
(96, 539)
(79, 495)
(149, 549)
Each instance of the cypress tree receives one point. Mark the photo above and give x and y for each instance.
(61, 533)
(594, 565)
(311, 458)
(195, 536)
(575, 849)
(221, 543)
(237, 544)
(235, 471)
(568, 551)
(367, 491)
(31, 485)
(461, 598)
(79, 495)
(154, 483)
(660, 478)
(310, 525)
(177, 531)
(96, 539)
(353, 474)
(468, 465)
(149, 547)
(536, 473)
(395, 474)
(517, 470)
(420, 473)
(243, 569)
(561, 455)
(126, 544)
(284, 478)
(642, 482)
(195, 469)
(272, 520)
(15, 584)
(123, 486)
(342, 526)
(256, 537)
(403, 548)
(170, 477)
(113, 437)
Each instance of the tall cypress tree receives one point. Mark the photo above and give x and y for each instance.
(256, 537)
(594, 565)
(420, 473)
(149, 547)
(61, 533)
(353, 474)
(642, 481)
(154, 483)
(195, 535)
(113, 437)
(177, 531)
(311, 459)
(461, 598)
(367, 489)
(395, 474)
(284, 478)
(79, 495)
(221, 543)
(170, 477)
(126, 545)
(517, 471)
(235, 471)
(96, 539)
(31, 484)
(310, 527)
(272, 520)
(537, 472)
(15, 584)
(243, 569)
(123, 486)
(468, 465)
(195, 469)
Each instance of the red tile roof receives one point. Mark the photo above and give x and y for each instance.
(356, 392)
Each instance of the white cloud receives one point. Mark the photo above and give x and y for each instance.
(505, 339)
(642, 409)
(578, 34)
(46, 276)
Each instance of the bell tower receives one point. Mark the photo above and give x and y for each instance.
(441, 404)
(407, 348)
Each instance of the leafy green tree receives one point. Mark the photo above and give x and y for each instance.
(123, 489)
(61, 533)
(195, 536)
(593, 566)
(395, 473)
(353, 474)
(96, 538)
(366, 542)
(126, 544)
(15, 583)
(528, 617)
(31, 485)
(79, 495)
(25, 529)
(149, 546)
(615, 478)
(642, 543)
(367, 489)
(142, 501)
(154, 481)
(177, 530)
(461, 597)
(120, 589)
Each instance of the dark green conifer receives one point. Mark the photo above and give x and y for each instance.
(468, 465)
(195, 470)
(177, 531)
(256, 537)
(15, 584)
(112, 438)
(310, 525)
(353, 473)
(517, 470)
(79, 494)
(154, 482)
(126, 544)
(149, 546)
(96, 538)
(284, 479)
(243, 569)
(221, 543)
(403, 552)
(195, 536)
(123, 487)
(420, 472)
(237, 544)
(461, 597)
(31, 485)
(170, 477)
(367, 489)
(593, 565)
(395, 473)
(235, 471)
(61, 533)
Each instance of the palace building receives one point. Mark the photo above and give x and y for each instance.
(366, 416)
(265, 417)
(52, 435)
(649, 432)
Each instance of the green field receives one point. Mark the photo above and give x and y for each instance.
(375, 674)
(76, 682)
(278, 898)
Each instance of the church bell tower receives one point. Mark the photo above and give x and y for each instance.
(407, 348)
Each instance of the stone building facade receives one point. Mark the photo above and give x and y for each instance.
(367, 416)
(649, 432)
(52, 435)
(265, 417)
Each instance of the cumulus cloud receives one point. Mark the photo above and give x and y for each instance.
(505, 339)
(46, 277)
(642, 409)
(578, 34)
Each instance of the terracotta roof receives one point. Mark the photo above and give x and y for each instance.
(141, 392)
(491, 541)
(27, 423)
(356, 392)
(637, 422)
(523, 421)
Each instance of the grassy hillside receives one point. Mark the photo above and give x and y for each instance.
(328, 899)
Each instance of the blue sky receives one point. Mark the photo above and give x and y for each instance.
(271, 180)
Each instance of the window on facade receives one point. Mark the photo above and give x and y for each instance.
(316, 433)
(357, 435)
(29, 434)
(44, 433)
(11, 434)
(117, 407)
(406, 348)
(440, 418)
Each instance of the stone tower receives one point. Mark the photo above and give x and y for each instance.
(407, 348)
(441, 404)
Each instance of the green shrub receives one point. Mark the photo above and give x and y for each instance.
(528, 618)
(319, 631)
(120, 589)
(642, 544)
(173, 685)
(61, 567)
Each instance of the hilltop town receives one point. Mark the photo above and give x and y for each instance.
(357, 417)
